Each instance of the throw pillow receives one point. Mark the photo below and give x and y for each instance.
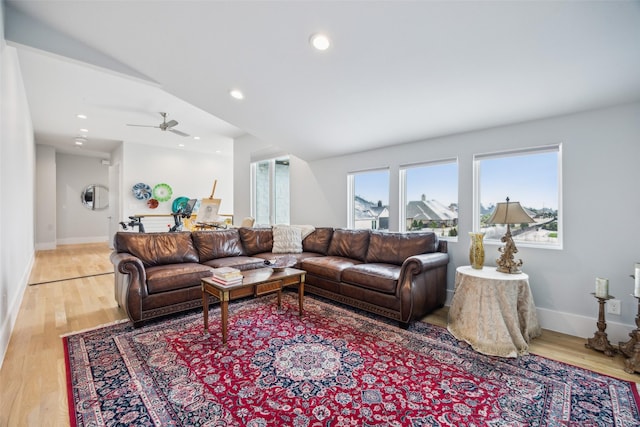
(286, 240)
(305, 229)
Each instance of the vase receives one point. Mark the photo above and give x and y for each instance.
(476, 250)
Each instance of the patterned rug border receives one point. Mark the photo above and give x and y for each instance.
(634, 387)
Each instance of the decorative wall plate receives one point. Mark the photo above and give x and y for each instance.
(141, 191)
(178, 203)
(152, 203)
(162, 192)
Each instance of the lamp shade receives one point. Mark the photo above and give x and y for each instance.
(510, 213)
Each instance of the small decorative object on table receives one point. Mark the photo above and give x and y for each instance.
(476, 250)
(600, 342)
(279, 264)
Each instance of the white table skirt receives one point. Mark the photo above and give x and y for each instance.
(494, 312)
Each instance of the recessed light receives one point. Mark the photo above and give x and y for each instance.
(218, 151)
(236, 93)
(78, 142)
(81, 116)
(320, 41)
(196, 137)
(181, 145)
(84, 130)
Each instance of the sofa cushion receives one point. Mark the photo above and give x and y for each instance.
(239, 262)
(286, 240)
(217, 244)
(394, 248)
(349, 244)
(169, 277)
(377, 277)
(256, 240)
(157, 248)
(318, 241)
(328, 267)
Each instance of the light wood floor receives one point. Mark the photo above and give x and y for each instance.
(32, 378)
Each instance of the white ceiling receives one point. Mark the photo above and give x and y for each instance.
(397, 71)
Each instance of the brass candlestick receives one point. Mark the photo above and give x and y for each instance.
(600, 341)
(631, 349)
(627, 347)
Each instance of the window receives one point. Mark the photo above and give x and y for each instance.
(270, 191)
(531, 177)
(429, 198)
(369, 200)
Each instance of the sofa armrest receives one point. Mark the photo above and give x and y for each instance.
(422, 285)
(130, 283)
(418, 264)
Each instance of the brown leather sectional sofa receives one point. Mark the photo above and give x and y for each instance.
(402, 276)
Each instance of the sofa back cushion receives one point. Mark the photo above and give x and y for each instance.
(318, 241)
(394, 248)
(157, 248)
(217, 244)
(349, 244)
(256, 240)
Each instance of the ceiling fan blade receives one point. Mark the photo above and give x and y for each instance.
(177, 132)
(171, 123)
(143, 126)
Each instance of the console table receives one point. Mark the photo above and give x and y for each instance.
(494, 312)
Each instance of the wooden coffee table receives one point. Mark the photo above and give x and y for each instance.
(257, 282)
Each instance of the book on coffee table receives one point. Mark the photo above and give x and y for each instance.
(229, 282)
(227, 274)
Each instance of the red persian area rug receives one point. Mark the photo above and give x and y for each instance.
(331, 367)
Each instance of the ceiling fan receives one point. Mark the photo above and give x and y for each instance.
(164, 126)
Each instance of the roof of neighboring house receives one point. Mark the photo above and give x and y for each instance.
(365, 209)
(429, 210)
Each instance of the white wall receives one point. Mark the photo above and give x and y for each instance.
(601, 204)
(45, 234)
(74, 222)
(17, 187)
(189, 174)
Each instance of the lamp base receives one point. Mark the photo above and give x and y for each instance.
(506, 263)
(509, 270)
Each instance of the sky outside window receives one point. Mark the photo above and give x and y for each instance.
(531, 179)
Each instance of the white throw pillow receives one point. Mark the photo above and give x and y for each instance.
(286, 240)
(305, 229)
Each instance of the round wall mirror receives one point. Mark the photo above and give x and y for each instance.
(95, 197)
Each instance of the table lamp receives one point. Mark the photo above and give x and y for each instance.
(509, 213)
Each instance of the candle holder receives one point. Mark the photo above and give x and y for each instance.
(631, 349)
(600, 342)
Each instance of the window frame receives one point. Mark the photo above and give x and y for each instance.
(477, 159)
(402, 192)
(351, 192)
(272, 187)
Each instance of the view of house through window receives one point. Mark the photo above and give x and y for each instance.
(431, 197)
(369, 200)
(531, 177)
(271, 191)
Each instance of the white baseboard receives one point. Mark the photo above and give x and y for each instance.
(46, 246)
(78, 240)
(576, 325)
(13, 307)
